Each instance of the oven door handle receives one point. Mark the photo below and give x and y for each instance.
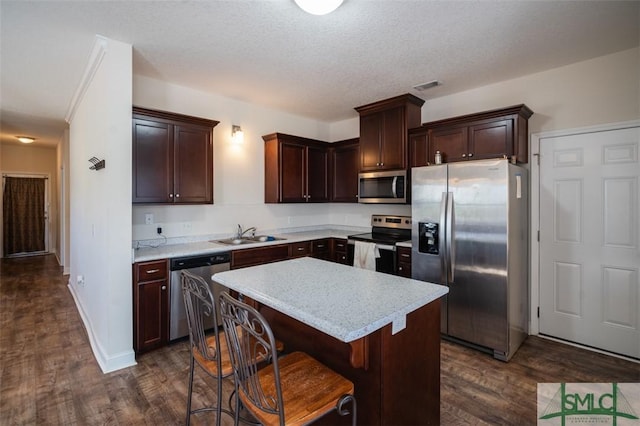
(378, 246)
(385, 247)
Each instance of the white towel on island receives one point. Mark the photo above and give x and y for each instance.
(364, 255)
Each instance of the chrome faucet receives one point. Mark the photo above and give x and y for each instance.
(241, 232)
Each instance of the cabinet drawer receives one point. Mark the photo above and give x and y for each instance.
(404, 254)
(149, 271)
(258, 255)
(300, 249)
(320, 246)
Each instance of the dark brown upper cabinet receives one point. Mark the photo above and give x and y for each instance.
(296, 169)
(345, 163)
(500, 133)
(172, 158)
(383, 132)
(418, 147)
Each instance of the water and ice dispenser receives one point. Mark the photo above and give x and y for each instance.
(428, 237)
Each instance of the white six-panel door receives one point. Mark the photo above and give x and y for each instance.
(589, 256)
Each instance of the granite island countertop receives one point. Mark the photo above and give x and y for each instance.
(344, 302)
(192, 248)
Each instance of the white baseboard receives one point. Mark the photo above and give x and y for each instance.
(107, 363)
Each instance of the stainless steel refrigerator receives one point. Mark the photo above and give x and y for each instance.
(470, 232)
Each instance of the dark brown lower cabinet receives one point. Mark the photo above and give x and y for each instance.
(339, 248)
(150, 305)
(404, 261)
(321, 249)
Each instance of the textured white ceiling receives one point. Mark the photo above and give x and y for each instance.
(271, 53)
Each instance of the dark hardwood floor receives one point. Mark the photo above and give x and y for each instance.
(48, 375)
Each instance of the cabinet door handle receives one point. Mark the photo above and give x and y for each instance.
(164, 287)
(300, 248)
(464, 155)
(177, 195)
(170, 195)
(471, 154)
(152, 271)
(399, 268)
(320, 246)
(382, 164)
(405, 255)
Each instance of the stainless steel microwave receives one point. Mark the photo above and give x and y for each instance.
(383, 187)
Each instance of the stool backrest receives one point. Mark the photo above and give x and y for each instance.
(200, 304)
(250, 338)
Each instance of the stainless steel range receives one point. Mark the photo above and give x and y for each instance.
(386, 231)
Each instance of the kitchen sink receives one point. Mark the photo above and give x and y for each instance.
(247, 240)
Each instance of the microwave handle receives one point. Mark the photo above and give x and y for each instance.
(394, 185)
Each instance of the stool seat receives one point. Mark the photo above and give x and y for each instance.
(292, 390)
(309, 389)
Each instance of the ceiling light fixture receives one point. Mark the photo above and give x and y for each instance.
(318, 7)
(25, 139)
(427, 85)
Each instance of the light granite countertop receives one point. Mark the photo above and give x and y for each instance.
(342, 301)
(192, 248)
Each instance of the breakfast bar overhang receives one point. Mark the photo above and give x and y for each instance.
(378, 330)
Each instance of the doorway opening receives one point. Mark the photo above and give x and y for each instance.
(25, 202)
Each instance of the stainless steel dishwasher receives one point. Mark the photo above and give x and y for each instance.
(203, 266)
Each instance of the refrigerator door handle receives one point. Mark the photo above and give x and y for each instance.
(451, 246)
(443, 240)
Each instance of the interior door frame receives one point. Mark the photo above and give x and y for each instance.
(47, 205)
(534, 162)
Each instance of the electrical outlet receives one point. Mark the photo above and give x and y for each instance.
(159, 230)
(80, 281)
(148, 218)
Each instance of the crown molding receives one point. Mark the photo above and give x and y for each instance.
(95, 59)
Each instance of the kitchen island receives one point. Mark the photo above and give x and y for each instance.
(380, 331)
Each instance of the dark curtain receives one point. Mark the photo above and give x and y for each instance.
(23, 210)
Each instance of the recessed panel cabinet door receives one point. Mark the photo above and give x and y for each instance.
(393, 146)
(491, 140)
(452, 144)
(345, 173)
(193, 177)
(317, 175)
(293, 173)
(370, 141)
(152, 162)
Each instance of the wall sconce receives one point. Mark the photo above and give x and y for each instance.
(237, 135)
(97, 164)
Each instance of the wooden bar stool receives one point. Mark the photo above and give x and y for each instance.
(293, 390)
(209, 351)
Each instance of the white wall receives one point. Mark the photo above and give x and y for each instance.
(601, 90)
(100, 204)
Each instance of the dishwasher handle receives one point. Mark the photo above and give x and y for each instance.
(189, 262)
